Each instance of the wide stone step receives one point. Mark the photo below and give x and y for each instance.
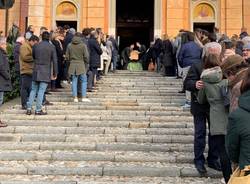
(10, 179)
(66, 146)
(185, 139)
(92, 131)
(111, 156)
(98, 118)
(85, 168)
(98, 124)
(106, 112)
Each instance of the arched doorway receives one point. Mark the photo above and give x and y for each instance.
(66, 14)
(134, 21)
(204, 16)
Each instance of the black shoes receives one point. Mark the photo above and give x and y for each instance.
(216, 166)
(40, 113)
(28, 112)
(201, 169)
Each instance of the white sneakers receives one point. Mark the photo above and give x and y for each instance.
(85, 100)
(82, 100)
(76, 100)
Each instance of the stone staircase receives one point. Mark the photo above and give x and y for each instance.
(132, 131)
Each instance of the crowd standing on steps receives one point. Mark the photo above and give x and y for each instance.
(214, 69)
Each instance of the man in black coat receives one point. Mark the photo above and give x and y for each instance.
(45, 61)
(5, 78)
(95, 53)
(200, 113)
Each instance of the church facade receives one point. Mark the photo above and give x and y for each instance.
(143, 17)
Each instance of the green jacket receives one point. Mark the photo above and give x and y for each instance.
(78, 56)
(211, 93)
(238, 133)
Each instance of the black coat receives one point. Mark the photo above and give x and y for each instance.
(5, 78)
(167, 58)
(193, 76)
(95, 53)
(16, 54)
(45, 57)
(67, 41)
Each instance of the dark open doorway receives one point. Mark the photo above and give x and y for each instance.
(72, 24)
(205, 26)
(135, 21)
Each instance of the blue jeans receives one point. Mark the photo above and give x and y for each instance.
(37, 88)
(1, 97)
(200, 141)
(83, 79)
(114, 61)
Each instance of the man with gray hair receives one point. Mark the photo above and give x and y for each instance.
(5, 78)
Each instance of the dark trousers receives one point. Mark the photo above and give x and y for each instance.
(90, 77)
(26, 81)
(224, 159)
(200, 141)
(94, 74)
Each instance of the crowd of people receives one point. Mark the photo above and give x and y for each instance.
(214, 69)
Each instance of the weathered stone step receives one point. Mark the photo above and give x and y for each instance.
(106, 112)
(185, 139)
(96, 124)
(10, 179)
(64, 146)
(92, 131)
(110, 156)
(85, 168)
(98, 118)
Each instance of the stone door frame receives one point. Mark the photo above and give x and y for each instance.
(213, 3)
(79, 12)
(158, 15)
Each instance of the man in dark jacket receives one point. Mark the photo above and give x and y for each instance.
(44, 55)
(200, 113)
(95, 53)
(26, 68)
(115, 50)
(5, 78)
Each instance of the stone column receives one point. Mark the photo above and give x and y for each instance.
(158, 18)
(37, 14)
(112, 17)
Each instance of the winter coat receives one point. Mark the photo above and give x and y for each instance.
(77, 54)
(26, 59)
(193, 76)
(189, 54)
(167, 58)
(16, 54)
(67, 41)
(5, 78)
(212, 94)
(95, 53)
(238, 132)
(235, 89)
(45, 62)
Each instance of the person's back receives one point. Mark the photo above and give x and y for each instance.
(238, 136)
(190, 53)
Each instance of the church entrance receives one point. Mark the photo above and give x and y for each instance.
(134, 22)
(72, 24)
(205, 26)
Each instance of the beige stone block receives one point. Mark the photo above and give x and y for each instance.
(234, 4)
(234, 13)
(234, 24)
(37, 2)
(36, 21)
(231, 32)
(172, 32)
(175, 13)
(175, 3)
(37, 11)
(96, 3)
(175, 23)
(95, 22)
(96, 12)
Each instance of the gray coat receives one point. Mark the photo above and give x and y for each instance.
(78, 56)
(5, 78)
(212, 94)
(45, 62)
